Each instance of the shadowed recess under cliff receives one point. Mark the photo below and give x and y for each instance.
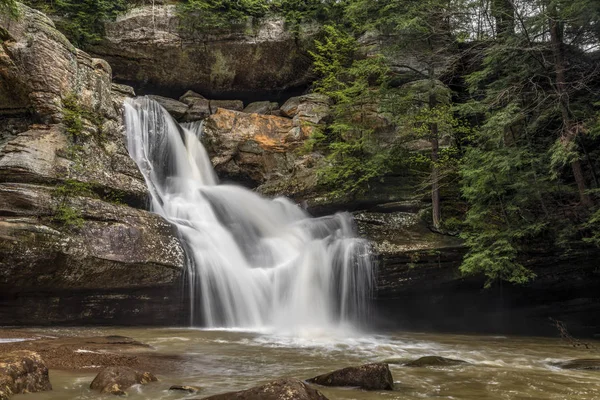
(252, 262)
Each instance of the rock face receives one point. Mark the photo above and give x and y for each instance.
(115, 380)
(73, 244)
(368, 376)
(148, 47)
(252, 147)
(22, 372)
(283, 389)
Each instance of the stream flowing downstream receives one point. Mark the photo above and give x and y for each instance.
(225, 360)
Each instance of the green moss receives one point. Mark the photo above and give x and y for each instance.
(74, 120)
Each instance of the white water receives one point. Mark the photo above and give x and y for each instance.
(252, 262)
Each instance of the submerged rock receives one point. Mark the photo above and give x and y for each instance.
(434, 361)
(282, 389)
(369, 376)
(22, 372)
(115, 380)
(186, 388)
(587, 364)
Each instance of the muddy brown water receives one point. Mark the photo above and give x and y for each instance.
(499, 367)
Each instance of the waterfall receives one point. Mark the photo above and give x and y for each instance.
(252, 262)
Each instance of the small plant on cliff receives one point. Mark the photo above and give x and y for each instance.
(65, 213)
(74, 116)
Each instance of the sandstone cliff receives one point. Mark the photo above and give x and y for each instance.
(74, 244)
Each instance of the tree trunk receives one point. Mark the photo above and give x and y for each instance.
(504, 14)
(569, 131)
(436, 206)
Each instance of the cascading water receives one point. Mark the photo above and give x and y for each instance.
(252, 262)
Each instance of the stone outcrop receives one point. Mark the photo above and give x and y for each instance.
(92, 353)
(22, 372)
(149, 47)
(283, 389)
(74, 245)
(115, 380)
(369, 377)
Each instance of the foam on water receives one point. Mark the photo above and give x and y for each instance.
(253, 263)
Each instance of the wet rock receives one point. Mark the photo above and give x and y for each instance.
(22, 372)
(434, 361)
(199, 109)
(115, 380)
(586, 364)
(90, 353)
(186, 388)
(283, 389)
(369, 376)
(190, 97)
(176, 108)
(261, 107)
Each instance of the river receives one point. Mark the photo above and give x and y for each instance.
(499, 367)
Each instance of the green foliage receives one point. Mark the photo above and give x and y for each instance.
(9, 7)
(82, 21)
(297, 12)
(65, 213)
(74, 119)
(354, 159)
(210, 15)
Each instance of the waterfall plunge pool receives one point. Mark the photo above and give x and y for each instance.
(225, 360)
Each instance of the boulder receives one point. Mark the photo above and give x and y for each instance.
(199, 109)
(252, 147)
(282, 389)
(311, 108)
(191, 97)
(434, 361)
(148, 46)
(22, 372)
(176, 108)
(234, 105)
(369, 377)
(186, 388)
(585, 364)
(261, 107)
(115, 380)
